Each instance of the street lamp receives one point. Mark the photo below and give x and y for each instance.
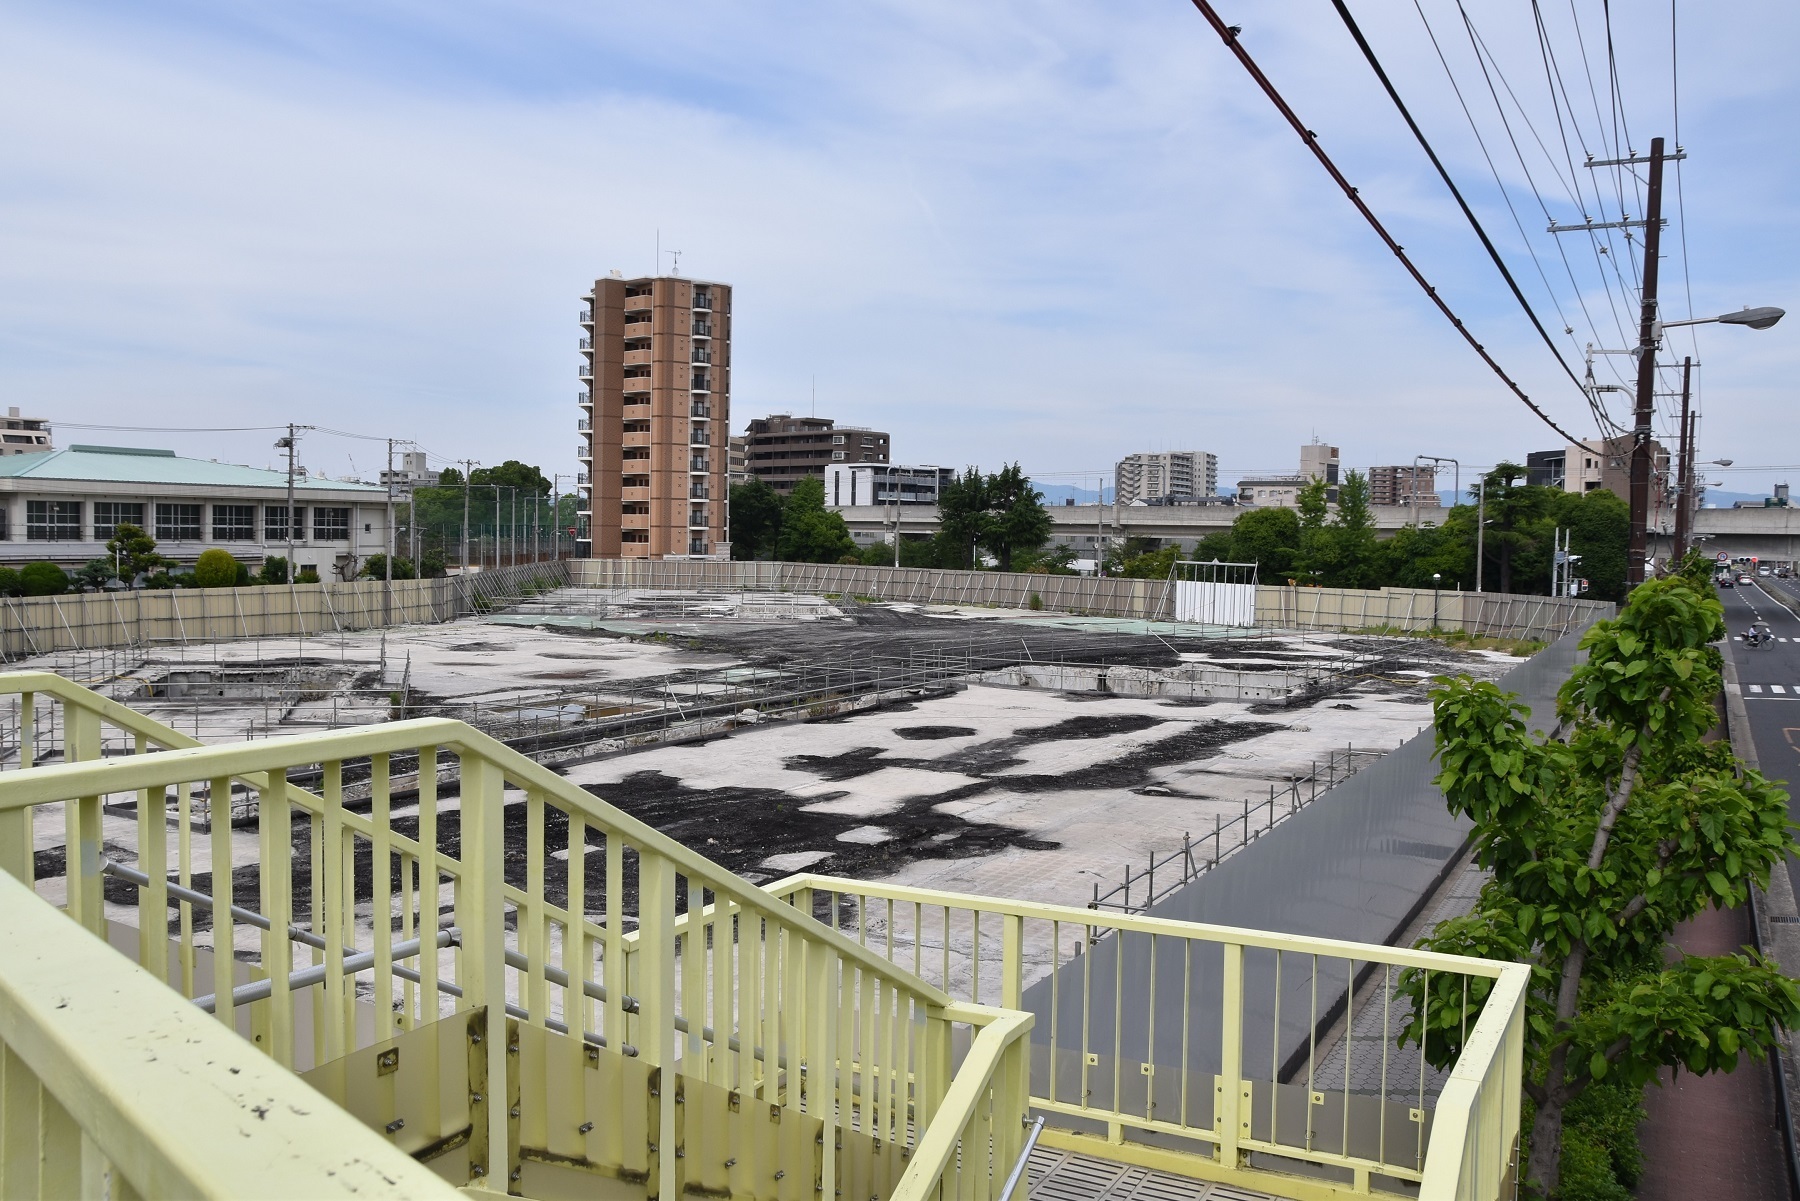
(1757, 318)
(1435, 578)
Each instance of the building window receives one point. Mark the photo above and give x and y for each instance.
(53, 520)
(109, 515)
(275, 527)
(234, 523)
(837, 455)
(837, 439)
(331, 525)
(178, 522)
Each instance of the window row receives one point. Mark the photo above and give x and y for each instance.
(61, 521)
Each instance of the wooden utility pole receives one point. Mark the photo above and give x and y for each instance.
(1684, 471)
(1637, 553)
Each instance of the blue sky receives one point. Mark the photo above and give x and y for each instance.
(1050, 232)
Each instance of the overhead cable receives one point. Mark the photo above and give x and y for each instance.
(1228, 34)
(1474, 221)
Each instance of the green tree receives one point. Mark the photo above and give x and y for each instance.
(962, 518)
(1349, 543)
(215, 568)
(375, 568)
(1600, 528)
(1269, 538)
(43, 579)
(1016, 520)
(431, 565)
(1313, 508)
(1599, 843)
(93, 575)
(274, 570)
(134, 551)
(811, 533)
(308, 575)
(10, 584)
(755, 519)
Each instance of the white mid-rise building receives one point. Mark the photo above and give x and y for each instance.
(1141, 478)
(848, 484)
(23, 435)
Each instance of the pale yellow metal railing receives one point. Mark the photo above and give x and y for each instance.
(1273, 1099)
(111, 1085)
(896, 1057)
(763, 1051)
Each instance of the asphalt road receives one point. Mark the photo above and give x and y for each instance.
(1770, 677)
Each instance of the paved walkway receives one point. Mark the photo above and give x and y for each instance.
(1065, 1176)
(1715, 1136)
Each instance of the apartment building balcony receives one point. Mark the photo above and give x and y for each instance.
(638, 358)
(702, 329)
(700, 409)
(584, 453)
(581, 479)
(699, 354)
(585, 371)
(585, 344)
(584, 399)
(634, 521)
(586, 317)
(637, 383)
(699, 492)
(697, 464)
(638, 493)
(705, 1037)
(633, 303)
(635, 438)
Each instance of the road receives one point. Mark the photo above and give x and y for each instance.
(1770, 677)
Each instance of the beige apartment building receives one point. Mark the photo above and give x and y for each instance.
(1141, 478)
(23, 435)
(1404, 485)
(656, 414)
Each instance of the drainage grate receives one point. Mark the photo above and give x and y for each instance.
(1065, 1176)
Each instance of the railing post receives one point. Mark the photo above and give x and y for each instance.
(1229, 1114)
(653, 975)
(1012, 968)
(16, 856)
(481, 915)
(81, 743)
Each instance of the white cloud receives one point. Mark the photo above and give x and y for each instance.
(1054, 233)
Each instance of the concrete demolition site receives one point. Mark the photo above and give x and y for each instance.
(1013, 752)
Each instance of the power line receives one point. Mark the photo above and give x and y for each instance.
(1474, 222)
(169, 429)
(1228, 34)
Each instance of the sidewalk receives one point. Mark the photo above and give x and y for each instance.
(1716, 1136)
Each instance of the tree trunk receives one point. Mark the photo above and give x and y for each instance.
(1544, 1173)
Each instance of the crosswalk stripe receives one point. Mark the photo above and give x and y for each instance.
(1756, 688)
(1776, 688)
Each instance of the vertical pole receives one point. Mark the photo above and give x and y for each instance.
(1480, 532)
(1684, 471)
(387, 571)
(1638, 552)
(468, 470)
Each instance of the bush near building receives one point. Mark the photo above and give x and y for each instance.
(9, 582)
(43, 579)
(216, 568)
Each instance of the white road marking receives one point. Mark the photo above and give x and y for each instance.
(1776, 688)
(1756, 688)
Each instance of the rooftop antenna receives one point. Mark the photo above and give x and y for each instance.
(815, 396)
(676, 269)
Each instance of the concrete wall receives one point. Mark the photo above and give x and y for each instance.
(1289, 608)
(86, 621)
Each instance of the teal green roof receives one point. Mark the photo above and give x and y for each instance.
(137, 465)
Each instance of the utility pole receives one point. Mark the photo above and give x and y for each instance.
(1684, 470)
(1638, 551)
(387, 567)
(1480, 531)
(468, 470)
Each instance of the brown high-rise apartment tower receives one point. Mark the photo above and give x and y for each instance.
(656, 420)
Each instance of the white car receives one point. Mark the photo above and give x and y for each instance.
(1745, 579)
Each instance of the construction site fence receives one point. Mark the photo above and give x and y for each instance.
(88, 621)
(1487, 614)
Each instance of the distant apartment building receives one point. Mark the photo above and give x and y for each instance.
(1594, 464)
(656, 414)
(737, 462)
(1404, 485)
(1317, 462)
(851, 484)
(1142, 478)
(23, 435)
(784, 450)
(413, 472)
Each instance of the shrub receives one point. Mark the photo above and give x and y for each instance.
(1037, 602)
(215, 569)
(274, 570)
(308, 575)
(9, 582)
(43, 579)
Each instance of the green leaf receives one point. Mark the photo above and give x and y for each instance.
(1720, 885)
(1597, 1065)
